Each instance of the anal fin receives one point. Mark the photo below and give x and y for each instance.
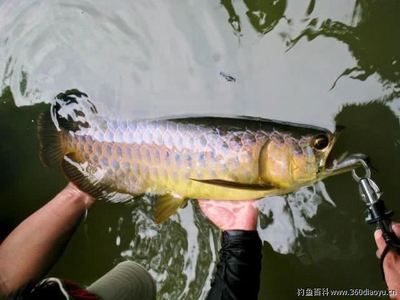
(166, 206)
(85, 181)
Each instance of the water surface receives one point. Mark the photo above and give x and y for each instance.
(315, 62)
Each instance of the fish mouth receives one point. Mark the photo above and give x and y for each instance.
(344, 163)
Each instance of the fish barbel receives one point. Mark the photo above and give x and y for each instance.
(181, 158)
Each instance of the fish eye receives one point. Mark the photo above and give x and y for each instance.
(321, 142)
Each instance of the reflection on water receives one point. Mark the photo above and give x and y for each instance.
(145, 59)
(180, 254)
(262, 15)
(290, 218)
(382, 56)
(143, 68)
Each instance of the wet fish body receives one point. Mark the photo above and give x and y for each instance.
(182, 158)
(162, 157)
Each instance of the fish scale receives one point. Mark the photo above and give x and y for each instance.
(162, 154)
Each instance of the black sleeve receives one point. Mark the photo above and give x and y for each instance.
(238, 270)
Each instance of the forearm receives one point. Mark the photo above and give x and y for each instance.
(33, 247)
(238, 270)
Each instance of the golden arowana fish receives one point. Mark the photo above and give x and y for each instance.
(182, 158)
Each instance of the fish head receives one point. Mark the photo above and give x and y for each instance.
(290, 160)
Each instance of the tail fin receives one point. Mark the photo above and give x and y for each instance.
(50, 150)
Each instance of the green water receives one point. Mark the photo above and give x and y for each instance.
(285, 57)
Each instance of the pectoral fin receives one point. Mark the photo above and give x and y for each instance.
(236, 185)
(166, 206)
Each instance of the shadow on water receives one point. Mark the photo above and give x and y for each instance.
(339, 259)
(374, 129)
(372, 39)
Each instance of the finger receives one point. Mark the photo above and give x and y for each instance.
(380, 242)
(396, 228)
(210, 208)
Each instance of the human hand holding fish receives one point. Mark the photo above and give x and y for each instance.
(41, 238)
(391, 264)
(231, 215)
(240, 248)
(71, 191)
